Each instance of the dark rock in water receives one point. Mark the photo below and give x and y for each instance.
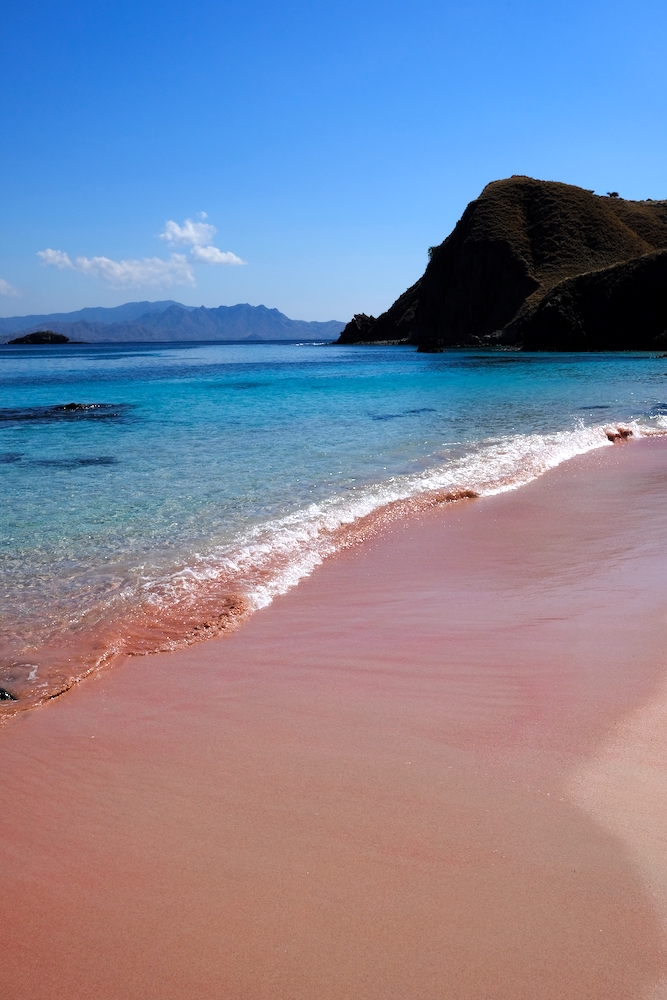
(357, 328)
(514, 246)
(393, 326)
(41, 337)
(74, 463)
(618, 433)
(66, 412)
(6, 696)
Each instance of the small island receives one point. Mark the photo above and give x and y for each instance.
(41, 337)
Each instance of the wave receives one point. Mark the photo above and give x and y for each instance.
(217, 590)
(273, 557)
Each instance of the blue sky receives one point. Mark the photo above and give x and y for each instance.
(327, 144)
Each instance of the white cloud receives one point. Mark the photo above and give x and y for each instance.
(55, 258)
(211, 255)
(125, 273)
(198, 236)
(7, 289)
(195, 234)
(177, 270)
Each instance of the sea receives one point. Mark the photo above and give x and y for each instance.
(156, 495)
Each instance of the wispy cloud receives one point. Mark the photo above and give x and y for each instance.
(55, 258)
(211, 255)
(7, 289)
(149, 271)
(194, 234)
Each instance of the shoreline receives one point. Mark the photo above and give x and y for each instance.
(401, 778)
(214, 593)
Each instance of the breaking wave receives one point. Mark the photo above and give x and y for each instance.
(216, 590)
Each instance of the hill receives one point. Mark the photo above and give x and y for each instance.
(170, 321)
(126, 313)
(491, 281)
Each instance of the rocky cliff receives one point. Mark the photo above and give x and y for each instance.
(535, 264)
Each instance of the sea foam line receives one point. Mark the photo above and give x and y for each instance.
(217, 590)
(273, 557)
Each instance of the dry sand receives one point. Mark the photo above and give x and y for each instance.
(436, 769)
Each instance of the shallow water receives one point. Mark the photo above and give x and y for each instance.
(191, 483)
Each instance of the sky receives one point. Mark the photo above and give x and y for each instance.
(299, 155)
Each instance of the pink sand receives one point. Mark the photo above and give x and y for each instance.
(374, 788)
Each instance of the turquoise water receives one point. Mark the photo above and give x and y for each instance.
(192, 483)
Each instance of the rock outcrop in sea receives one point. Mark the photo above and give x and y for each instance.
(538, 265)
(41, 337)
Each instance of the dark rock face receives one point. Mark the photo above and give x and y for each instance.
(496, 281)
(357, 328)
(623, 307)
(5, 695)
(41, 337)
(516, 243)
(394, 326)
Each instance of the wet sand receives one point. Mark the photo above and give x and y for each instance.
(435, 769)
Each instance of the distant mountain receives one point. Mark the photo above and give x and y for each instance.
(171, 321)
(240, 322)
(95, 314)
(539, 265)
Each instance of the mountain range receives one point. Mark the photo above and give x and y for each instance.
(171, 321)
(537, 265)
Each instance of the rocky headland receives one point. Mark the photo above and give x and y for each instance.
(537, 265)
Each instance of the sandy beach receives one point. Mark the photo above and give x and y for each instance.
(435, 769)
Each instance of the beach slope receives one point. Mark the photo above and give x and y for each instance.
(433, 770)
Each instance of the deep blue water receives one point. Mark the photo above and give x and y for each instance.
(185, 467)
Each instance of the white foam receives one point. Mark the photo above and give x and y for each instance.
(273, 557)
